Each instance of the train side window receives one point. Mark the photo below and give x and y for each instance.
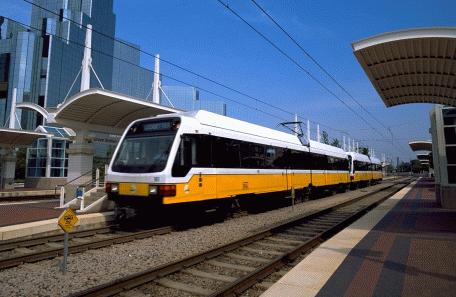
(269, 157)
(182, 162)
(280, 160)
(193, 151)
(226, 153)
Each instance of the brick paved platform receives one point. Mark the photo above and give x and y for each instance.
(26, 194)
(410, 251)
(19, 213)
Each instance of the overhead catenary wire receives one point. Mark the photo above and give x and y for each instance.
(204, 77)
(388, 128)
(317, 63)
(195, 74)
(308, 73)
(164, 75)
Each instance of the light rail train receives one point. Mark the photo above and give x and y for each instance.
(205, 158)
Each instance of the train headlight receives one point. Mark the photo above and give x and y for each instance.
(112, 188)
(153, 190)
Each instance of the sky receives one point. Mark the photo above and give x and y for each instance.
(203, 36)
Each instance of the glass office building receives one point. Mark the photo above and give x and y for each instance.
(55, 146)
(43, 61)
(188, 98)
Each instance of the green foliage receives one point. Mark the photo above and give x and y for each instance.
(416, 166)
(404, 167)
(21, 155)
(325, 137)
(336, 143)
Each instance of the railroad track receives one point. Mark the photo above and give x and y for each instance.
(233, 268)
(14, 253)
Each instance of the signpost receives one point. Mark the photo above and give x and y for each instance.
(66, 221)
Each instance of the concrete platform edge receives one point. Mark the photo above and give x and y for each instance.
(309, 276)
(50, 226)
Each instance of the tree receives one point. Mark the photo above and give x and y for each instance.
(324, 137)
(364, 151)
(21, 156)
(336, 143)
(404, 167)
(416, 166)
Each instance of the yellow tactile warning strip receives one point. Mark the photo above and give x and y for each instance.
(308, 277)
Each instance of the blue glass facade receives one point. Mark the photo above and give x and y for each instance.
(42, 65)
(43, 62)
(188, 98)
(128, 77)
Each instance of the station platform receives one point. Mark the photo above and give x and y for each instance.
(30, 218)
(21, 194)
(404, 247)
(13, 213)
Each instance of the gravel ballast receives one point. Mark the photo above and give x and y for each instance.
(99, 266)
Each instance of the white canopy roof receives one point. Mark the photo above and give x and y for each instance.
(10, 138)
(411, 66)
(105, 111)
(421, 145)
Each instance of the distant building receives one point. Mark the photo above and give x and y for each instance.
(188, 98)
(443, 130)
(43, 62)
(128, 77)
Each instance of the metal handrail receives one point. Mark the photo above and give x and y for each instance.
(90, 183)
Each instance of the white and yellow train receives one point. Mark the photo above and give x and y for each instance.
(205, 157)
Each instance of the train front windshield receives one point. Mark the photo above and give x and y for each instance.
(146, 147)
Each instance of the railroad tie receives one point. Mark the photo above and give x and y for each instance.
(303, 233)
(231, 266)
(23, 251)
(213, 276)
(290, 241)
(260, 251)
(54, 245)
(166, 282)
(275, 245)
(265, 285)
(80, 240)
(247, 258)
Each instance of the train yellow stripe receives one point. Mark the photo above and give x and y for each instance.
(205, 187)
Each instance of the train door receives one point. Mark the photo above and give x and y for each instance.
(195, 153)
(351, 168)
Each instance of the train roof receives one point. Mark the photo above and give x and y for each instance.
(322, 148)
(375, 160)
(359, 157)
(223, 122)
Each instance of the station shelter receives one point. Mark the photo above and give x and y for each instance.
(10, 140)
(423, 151)
(419, 66)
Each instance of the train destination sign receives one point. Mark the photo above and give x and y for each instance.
(67, 220)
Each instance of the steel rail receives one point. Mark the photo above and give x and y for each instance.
(78, 247)
(252, 278)
(149, 275)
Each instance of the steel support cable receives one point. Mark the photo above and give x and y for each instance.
(171, 63)
(186, 69)
(299, 66)
(317, 63)
(164, 75)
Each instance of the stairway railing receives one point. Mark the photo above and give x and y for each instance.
(97, 181)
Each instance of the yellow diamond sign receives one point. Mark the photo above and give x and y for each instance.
(67, 220)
